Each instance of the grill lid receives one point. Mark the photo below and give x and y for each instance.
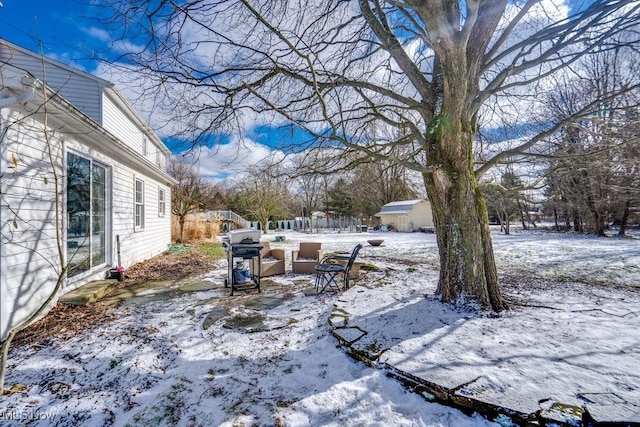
(244, 236)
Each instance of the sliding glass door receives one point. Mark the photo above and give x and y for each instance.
(86, 213)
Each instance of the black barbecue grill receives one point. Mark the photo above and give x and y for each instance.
(243, 245)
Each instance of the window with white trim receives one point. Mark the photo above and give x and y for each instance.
(161, 202)
(139, 204)
(161, 160)
(145, 147)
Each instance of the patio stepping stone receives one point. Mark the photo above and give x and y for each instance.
(266, 302)
(253, 323)
(89, 293)
(197, 286)
(138, 290)
(213, 316)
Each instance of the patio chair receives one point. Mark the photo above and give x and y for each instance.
(305, 259)
(272, 261)
(333, 266)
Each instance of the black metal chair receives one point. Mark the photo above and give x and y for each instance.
(331, 267)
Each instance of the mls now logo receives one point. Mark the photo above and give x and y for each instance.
(25, 415)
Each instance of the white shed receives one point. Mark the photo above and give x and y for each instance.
(407, 215)
(78, 168)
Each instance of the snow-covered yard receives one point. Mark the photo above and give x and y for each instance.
(157, 365)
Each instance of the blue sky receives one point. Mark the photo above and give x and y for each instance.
(66, 30)
(69, 31)
(61, 29)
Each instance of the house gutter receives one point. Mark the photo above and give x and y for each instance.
(15, 81)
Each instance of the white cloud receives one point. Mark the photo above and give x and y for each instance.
(231, 160)
(97, 33)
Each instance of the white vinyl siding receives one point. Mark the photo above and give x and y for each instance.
(28, 246)
(80, 89)
(138, 245)
(139, 204)
(29, 249)
(116, 122)
(121, 125)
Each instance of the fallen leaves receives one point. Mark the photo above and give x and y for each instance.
(65, 321)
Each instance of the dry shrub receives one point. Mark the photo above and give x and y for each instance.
(194, 232)
(195, 229)
(211, 229)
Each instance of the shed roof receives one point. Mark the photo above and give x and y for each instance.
(398, 208)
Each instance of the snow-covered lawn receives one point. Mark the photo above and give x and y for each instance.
(157, 365)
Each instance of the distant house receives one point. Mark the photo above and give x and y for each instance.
(110, 166)
(407, 215)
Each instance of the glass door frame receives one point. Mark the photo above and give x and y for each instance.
(89, 228)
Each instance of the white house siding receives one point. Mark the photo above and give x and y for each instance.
(29, 259)
(136, 244)
(29, 254)
(120, 125)
(28, 245)
(156, 229)
(139, 244)
(82, 90)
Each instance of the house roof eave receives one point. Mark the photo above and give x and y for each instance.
(102, 82)
(71, 120)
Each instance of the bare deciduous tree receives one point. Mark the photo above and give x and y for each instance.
(340, 68)
(596, 161)
(191, 193)
(262, 195)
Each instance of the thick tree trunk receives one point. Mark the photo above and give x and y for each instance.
(597, 218)
(507, 223)
(598, 223)
(467, 266)
(567, 220)
(577, 221)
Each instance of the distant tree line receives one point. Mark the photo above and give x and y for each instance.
(589, 181)
(587, 176)
(273, 191)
